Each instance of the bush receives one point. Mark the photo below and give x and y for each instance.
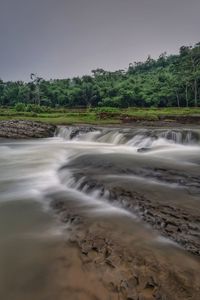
(37, 108)
(20, 106)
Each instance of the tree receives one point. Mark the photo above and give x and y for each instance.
(36, 81)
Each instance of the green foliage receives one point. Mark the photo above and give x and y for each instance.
(37, 108)
(33, 108)
(20, 106)
(169, 81)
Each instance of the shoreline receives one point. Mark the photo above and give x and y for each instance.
(162, 117)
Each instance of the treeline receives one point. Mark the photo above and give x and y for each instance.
(172, 80)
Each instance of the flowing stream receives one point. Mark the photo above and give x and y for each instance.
(82, 167)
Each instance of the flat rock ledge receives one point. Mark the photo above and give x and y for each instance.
(126, 270)
(17, 129)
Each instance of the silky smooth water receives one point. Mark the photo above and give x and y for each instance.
(32, 174)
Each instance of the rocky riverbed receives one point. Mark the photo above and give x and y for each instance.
(17, 129)
(179, 222)
(124, 268)
(156, 256)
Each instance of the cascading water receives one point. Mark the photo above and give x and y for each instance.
(131, 137)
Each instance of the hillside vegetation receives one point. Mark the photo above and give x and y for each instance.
(169, 81)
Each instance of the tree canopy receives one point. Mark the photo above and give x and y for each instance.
(172, 80)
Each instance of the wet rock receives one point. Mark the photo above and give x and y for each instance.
(98, 244)
(171, 228)
(81, 130)
(142, 150)
(25, 129)
(69, 217)
(113, 261)
(127, 273)
(132, 296)
(57, 204)
(85, 248)
(173, 222)
(133, 282)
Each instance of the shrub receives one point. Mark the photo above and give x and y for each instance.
(20, 106)
(37, 108)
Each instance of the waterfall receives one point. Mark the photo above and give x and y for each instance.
(131, 137)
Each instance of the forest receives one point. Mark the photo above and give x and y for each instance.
(169, 81)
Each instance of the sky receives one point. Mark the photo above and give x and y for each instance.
(66, 38)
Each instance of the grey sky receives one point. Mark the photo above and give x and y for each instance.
(64, 38)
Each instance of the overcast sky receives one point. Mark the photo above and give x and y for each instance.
(65, 38)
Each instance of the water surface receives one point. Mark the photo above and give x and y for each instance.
(34, 172)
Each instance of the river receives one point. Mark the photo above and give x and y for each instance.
(91, 171)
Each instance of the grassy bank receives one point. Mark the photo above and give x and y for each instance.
(100, 116)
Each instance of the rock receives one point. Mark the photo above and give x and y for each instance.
(171, 228)
(85, 248)
(98, 244)
(78, 130)
(57, 205)
(132, 296)
(113, 261)
(177, 224)
(142, 150)
(18, 129)
(133, 282)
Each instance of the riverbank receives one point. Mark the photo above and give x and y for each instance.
(108, 116)
(19, 129)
